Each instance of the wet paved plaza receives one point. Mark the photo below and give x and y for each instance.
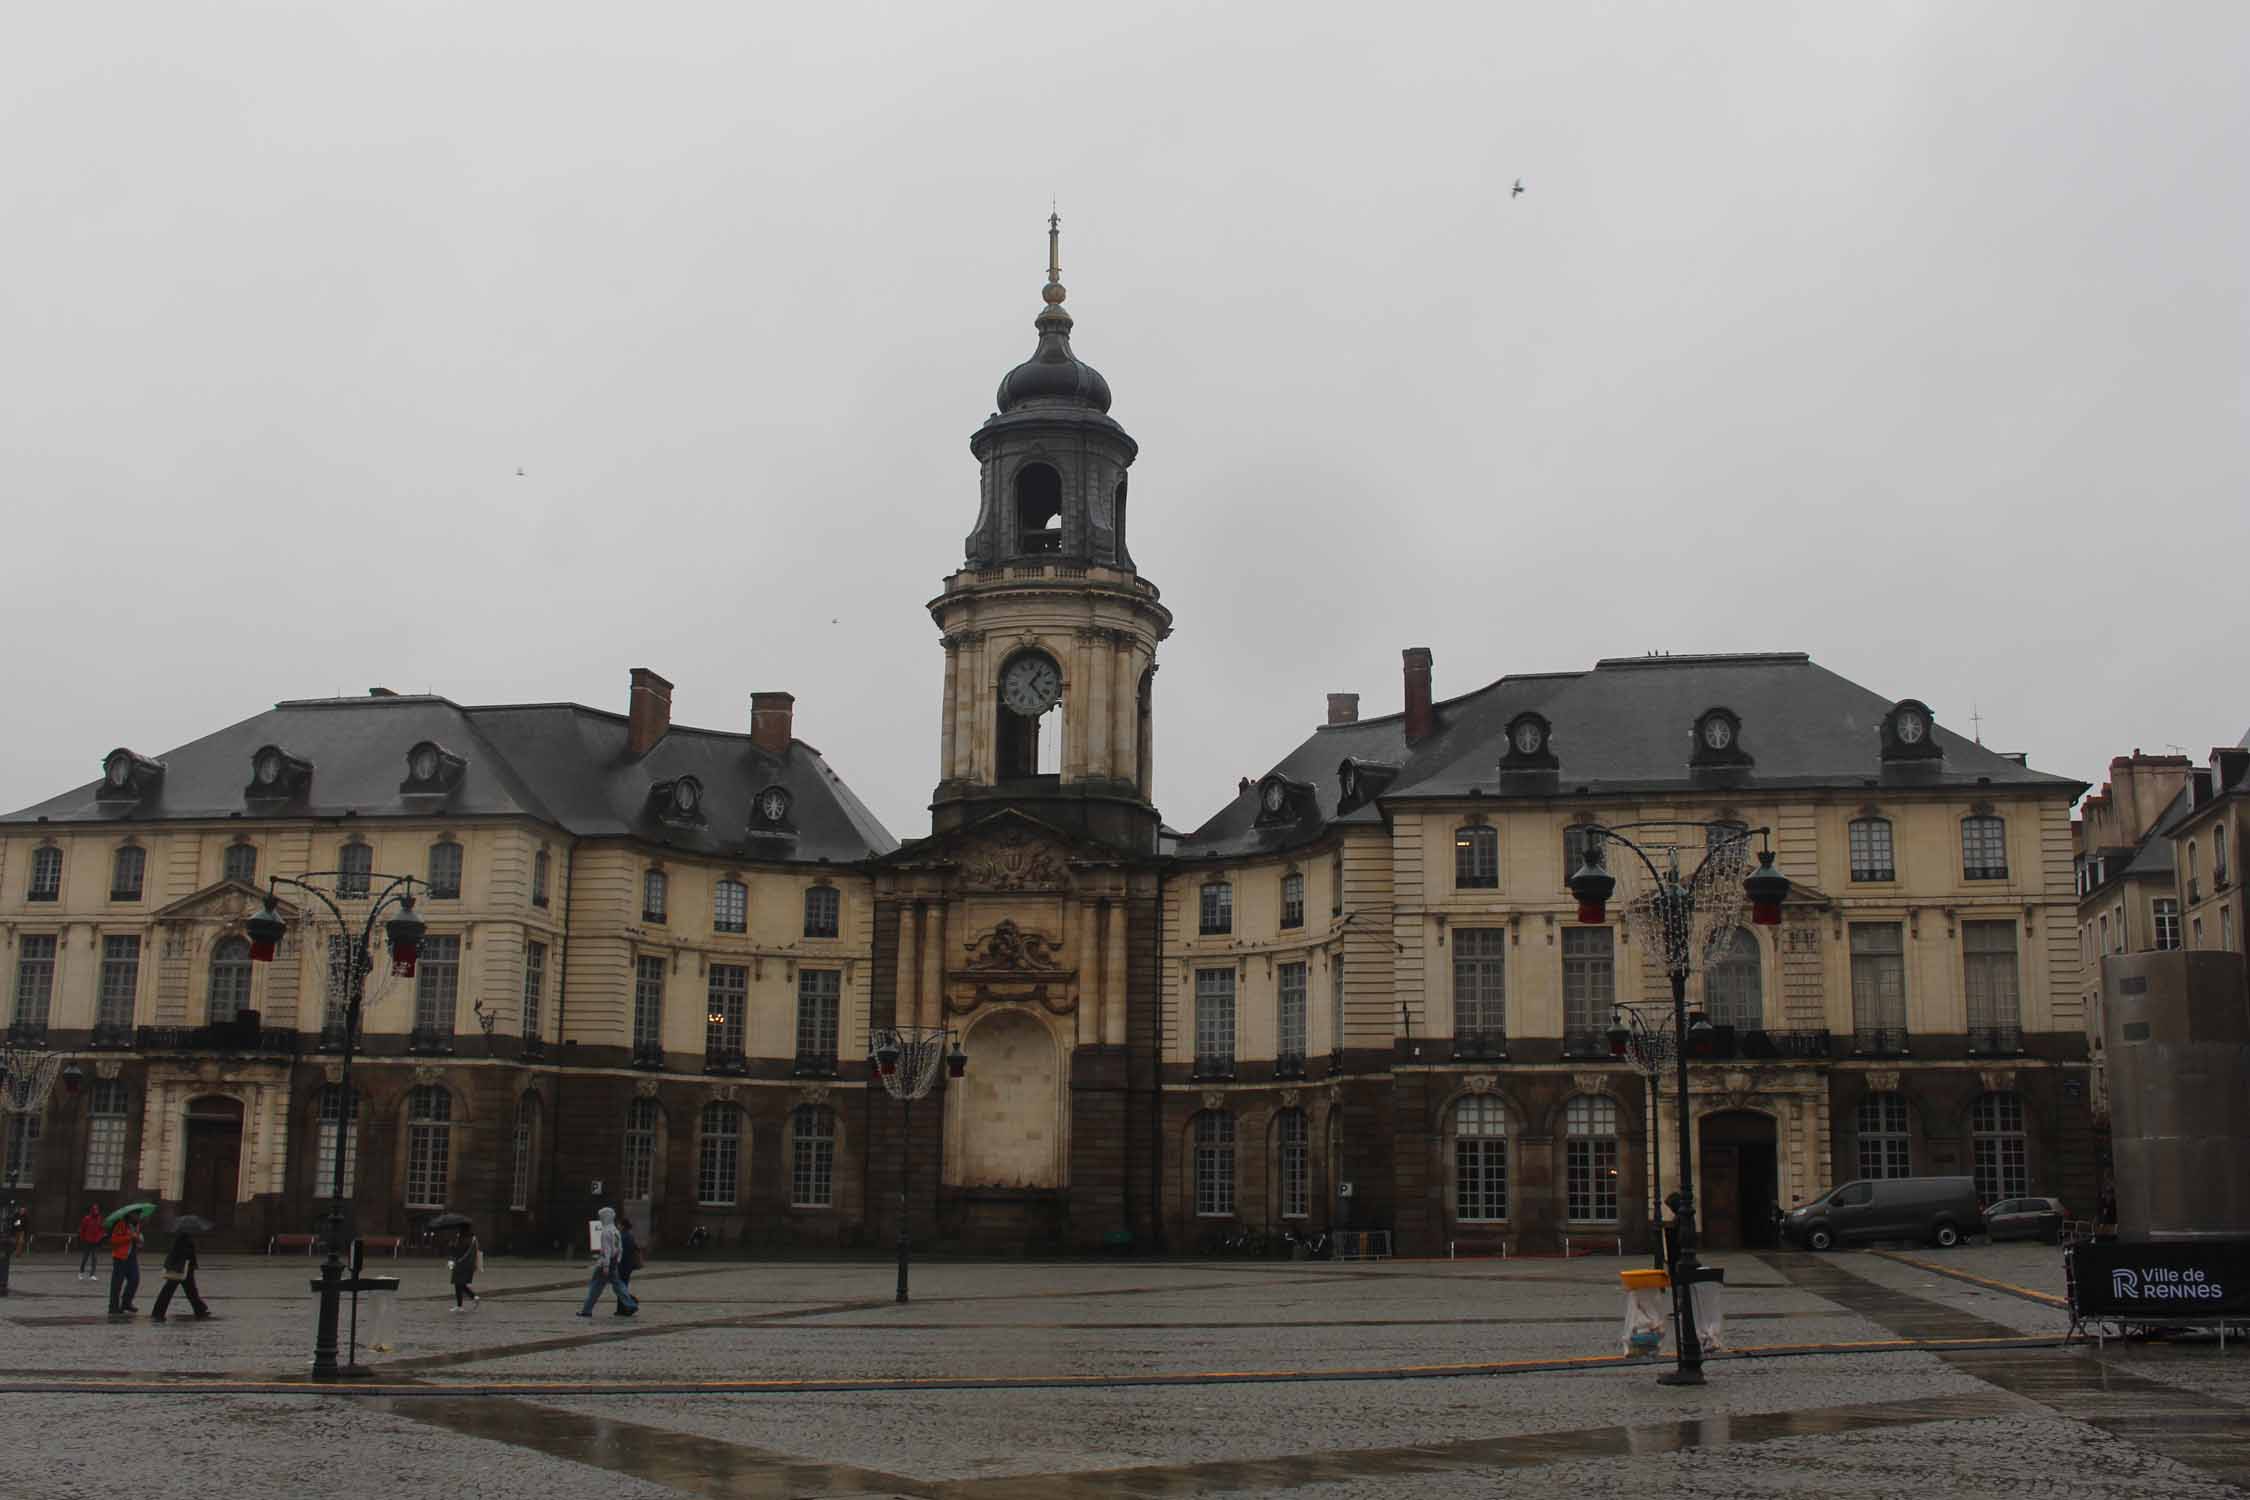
(1115, 1379)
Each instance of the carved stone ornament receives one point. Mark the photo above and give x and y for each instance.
(1014, 860)
(726, 1092)
(1590, 1083)
(646, 1088)
(1289, 1097)
(207, 1071)
(109, 1067)
(1998, 1080)
(1213, 1099)
(427, 1073)
(1007, 948)
(812, 1093)
(1882, 1080)
(332, 1072)
(1480, 1083)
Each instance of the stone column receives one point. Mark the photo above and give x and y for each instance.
(1114, 986)
(1083, 952)
(1124, 701)
(935, 945)
(906, 981)
(1100, 663)
(949, 717)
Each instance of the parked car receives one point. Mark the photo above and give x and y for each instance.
(2026, 1219)
(1939, 1210)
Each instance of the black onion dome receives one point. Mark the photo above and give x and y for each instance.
(1053, 373)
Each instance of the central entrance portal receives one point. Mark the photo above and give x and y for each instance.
(214, 1159)
(1739, 1180)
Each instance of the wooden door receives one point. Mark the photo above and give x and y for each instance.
(1719, 1201)
(214, 1159)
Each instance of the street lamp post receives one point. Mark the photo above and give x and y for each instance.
(404, 932)
(27, 1077)
(1641, 1032)
(906, 1059)
(1685, 916)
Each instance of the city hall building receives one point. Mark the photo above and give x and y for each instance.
(1359, 995)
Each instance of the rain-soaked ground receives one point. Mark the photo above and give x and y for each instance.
(1863, 1374)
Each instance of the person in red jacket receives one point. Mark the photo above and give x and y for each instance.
(90, 1237)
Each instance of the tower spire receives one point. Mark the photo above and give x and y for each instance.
(1054, 313)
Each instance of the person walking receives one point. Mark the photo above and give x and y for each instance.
(179, 1276)
(90, 1237)
(629, 1255)
(467, 1261)
(124, 1265)
(21, 1229)
(609, 1250)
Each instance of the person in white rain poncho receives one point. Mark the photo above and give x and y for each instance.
(609, 1257)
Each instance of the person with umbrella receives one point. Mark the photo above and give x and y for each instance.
(468, 1259)
(179, 1268)
(125, 1256)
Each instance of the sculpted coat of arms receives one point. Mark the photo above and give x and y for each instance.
(1014, 860)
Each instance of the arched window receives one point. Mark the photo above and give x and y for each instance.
(1218, 908)
(1885, 1148)
(337, 1132)
(429, 1146)
(1871, 849)
(1292, 900)
(1123, 557)
(730, 906)
(641, 1118)
(354, 864)
(46, 875)
(1038, 509)
(1590, 1160)
(1733, 985)
(23, 1150)
(2003, 1163)
(1214, 1164)
(1476, 857)
(823, 906)
(812, 1156)
(445, 871)
(230, 978)
(539, 868)
(1294, 1146)
(526, 1143)
(718, 1161)
(2219, 856)
(105, 1135)
(240, 863)
(653, 886)
(1984, 848)
(1480, 1160)
(126, 872)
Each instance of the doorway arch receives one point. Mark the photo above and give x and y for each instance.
(1738, 1180)
(212, 1177)
(1006, 1110)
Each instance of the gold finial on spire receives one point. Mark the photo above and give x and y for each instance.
(1054, 293)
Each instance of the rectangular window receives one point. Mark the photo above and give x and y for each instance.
(730, 907)
(46, 876)
(1589, 978)
(812, 1164)
(240, 863)
(540, 865)
(1476, 858)
(354, 863)
(534, 986)
(105, 1137)
(1296, 1165)
(819, 997)
(718, 1165)
(1871, 850)
(1480, 989)
(1984, 849)
(1885, 1147)
(126, 874)
(2166, 915)
(1218, 908)
(1480, 1172)
(35, 978)
(519, 1185)
(823, 908)
(648, 1009)
(640, 1148)
(445, 872)
(331, 1129)
(1988, 960)
(652, 896)
(429, 1150)
(437, 985)
(121, 984)
(1290, 1041)
(23, 1151)
(1214, 1022)
(729, 997)
(1879, 985)
(1575, 843)
(1292, 900)
(1590, 1161)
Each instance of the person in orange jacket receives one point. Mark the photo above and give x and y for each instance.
(90, 1237)
(124, 1264)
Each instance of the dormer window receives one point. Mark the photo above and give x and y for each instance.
(1909, 732)
(1279, 800)
(1528, 746)
(127, 777)
(1359, 782)
(678, 801)
(432, 770)
(769, 810)
(1718, 739)
(276, 775)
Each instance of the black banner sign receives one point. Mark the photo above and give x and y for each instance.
(2201, 1281)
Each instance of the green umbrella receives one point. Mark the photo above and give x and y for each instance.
(143, 1209)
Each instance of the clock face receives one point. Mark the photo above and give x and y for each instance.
(1717, 732)
(1910, 728)
(424, 765)
(1528, 737)
(773, 806)
(1276, 794)
(268, 769)
(120, 770)
(1031, 685)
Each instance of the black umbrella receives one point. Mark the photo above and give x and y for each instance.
(448, 1221)
(192, 1224)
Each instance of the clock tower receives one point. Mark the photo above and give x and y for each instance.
(1050, 632)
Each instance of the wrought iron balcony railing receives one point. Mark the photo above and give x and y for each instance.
(111, 1034)
(648, 1054)
(533, 1047)
(28, 1033)
(1730, 1043)
(226, 1036)
(1585, 1041)
(814, 1065)
(1995, 1040)
(1481, 1045)
(1289, 1064)
(1879, 1041)
(725, 1060)
(430, 1039)
(1213, 1068)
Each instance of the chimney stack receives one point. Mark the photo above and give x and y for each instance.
(648, 711)
(1343, 708)
(773, 721)
(1421, 719)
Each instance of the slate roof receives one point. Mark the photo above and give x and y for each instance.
(560, 763)
(1622, 729)
(2153, 856)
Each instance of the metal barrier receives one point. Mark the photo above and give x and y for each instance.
(1363, 1244)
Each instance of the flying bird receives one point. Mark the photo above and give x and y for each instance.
(519, 473)
(1518, 193)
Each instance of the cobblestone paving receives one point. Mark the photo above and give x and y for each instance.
(2044, 1422)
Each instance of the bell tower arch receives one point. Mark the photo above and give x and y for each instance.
(1049, 630)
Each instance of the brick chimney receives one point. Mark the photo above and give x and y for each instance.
(1421, 719)
(648, 711)
(772, 721)
(1343, 708)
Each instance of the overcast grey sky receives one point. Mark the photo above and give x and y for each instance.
(1913, 336)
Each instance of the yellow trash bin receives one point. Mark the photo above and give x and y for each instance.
(1645, 1311)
